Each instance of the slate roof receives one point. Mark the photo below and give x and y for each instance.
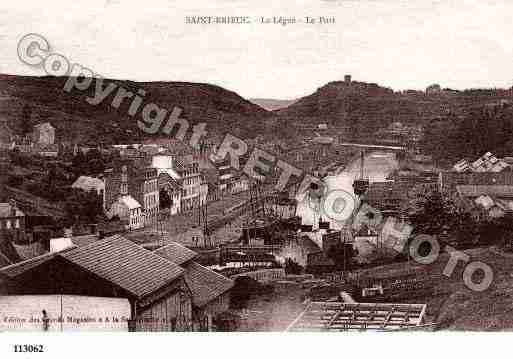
(16, 269)
(126, 264)
(205, 284)
(176, 253)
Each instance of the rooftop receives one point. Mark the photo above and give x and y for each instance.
(205, 284)
(16, 269)
(176, 253)
(88, 183)
(125, 264)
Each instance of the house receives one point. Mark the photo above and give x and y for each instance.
(114, 267)
(210, 290)
(188, 169)
(172, 190)
(448, 180)
(300, 249)
(6, 137)
(227, 179)
(486, 163)
(433, 89)
(127, 209)
(485, 200)
(44, 134)
(47, 150)
(12, 221)
(137, 179)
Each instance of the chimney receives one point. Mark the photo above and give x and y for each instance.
(347, 79)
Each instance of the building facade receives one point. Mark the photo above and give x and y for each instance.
(136, 179)
(44, 134)
(188, 169)
(12, 221)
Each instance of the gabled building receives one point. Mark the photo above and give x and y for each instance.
(210, 290)
(12, 221)
(6, 137)
(486, 163)
(135, 179)
(485, 201)
(44, 134)
(115, 267)
(166, 290)
(129, 211)
(188, 169)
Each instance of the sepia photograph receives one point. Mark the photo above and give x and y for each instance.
(234, 166)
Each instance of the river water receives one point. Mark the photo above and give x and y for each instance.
(377, 166)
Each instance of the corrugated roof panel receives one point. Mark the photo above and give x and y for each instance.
(126, 264)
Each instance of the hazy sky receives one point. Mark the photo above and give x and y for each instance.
(399, 44)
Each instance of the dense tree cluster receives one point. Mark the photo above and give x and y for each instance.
(483, 129)
(433, 213)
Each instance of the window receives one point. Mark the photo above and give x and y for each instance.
(8, 224)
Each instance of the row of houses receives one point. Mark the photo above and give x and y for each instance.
(166, 289)
(486, 163)
(482, 194)
(40, 141)
(137, 189)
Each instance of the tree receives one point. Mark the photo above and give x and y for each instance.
(432, 213)
(83, 207)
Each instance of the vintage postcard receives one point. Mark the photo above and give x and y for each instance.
(241, 166)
